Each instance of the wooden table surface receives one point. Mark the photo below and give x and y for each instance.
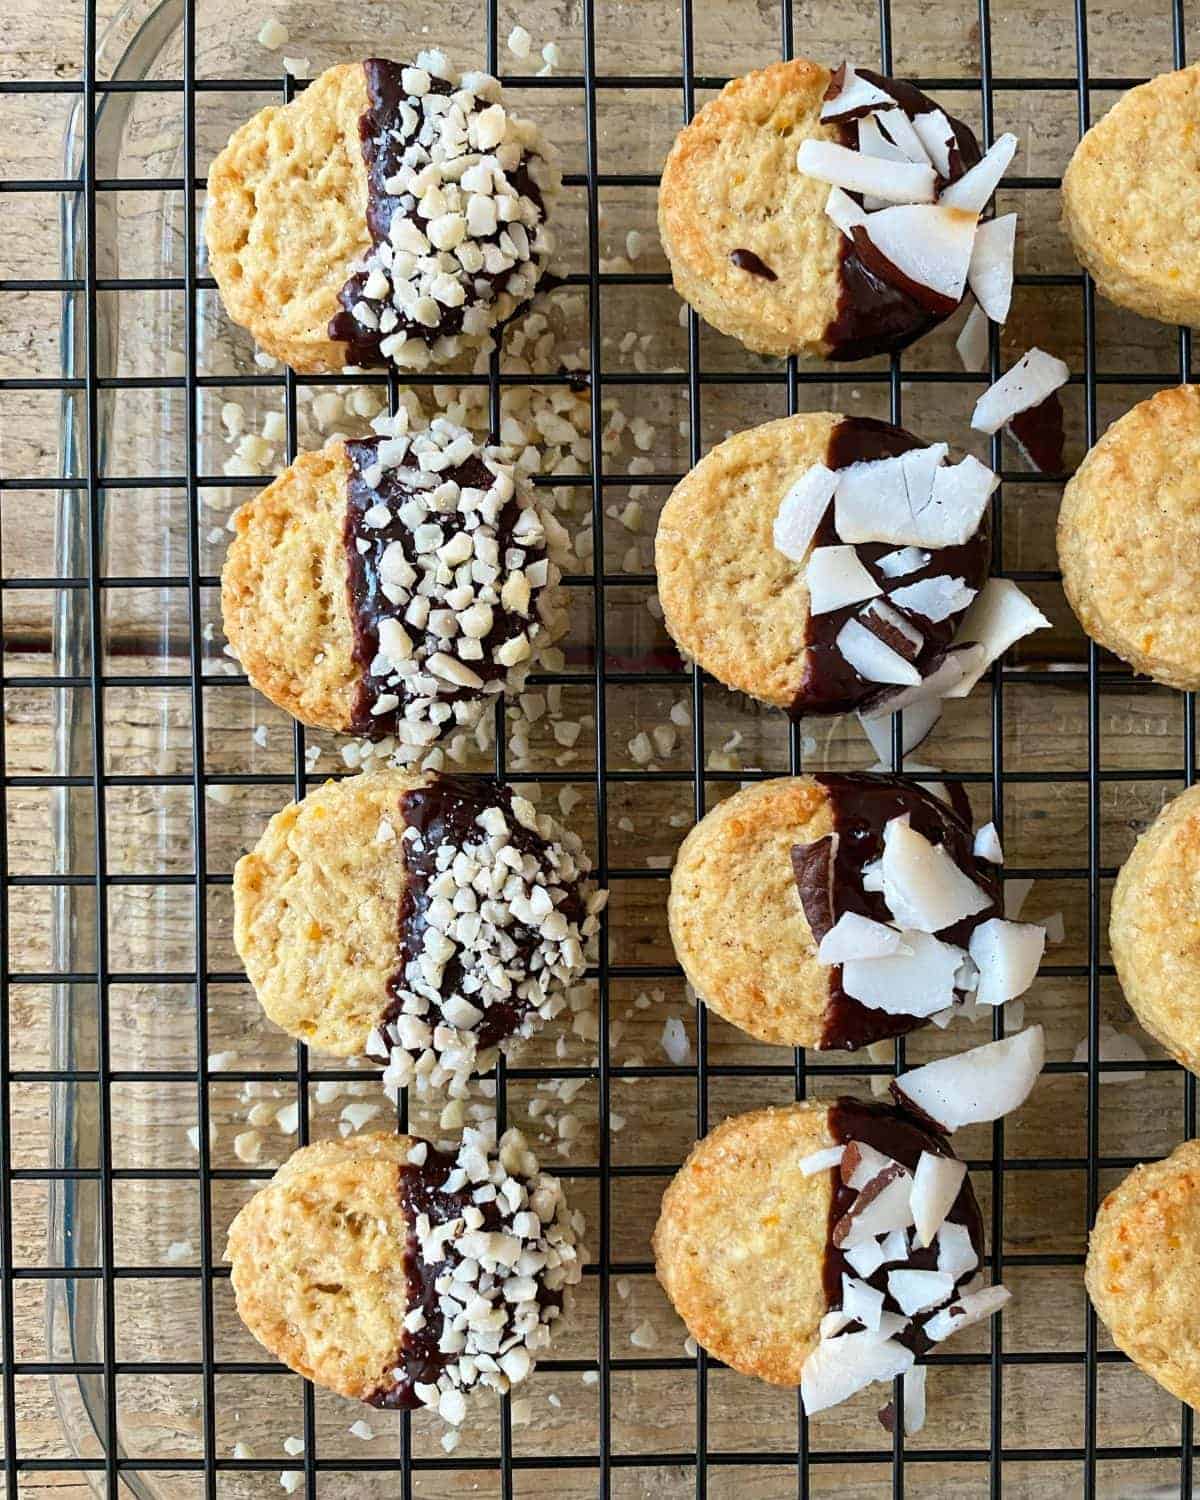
(1044, 727)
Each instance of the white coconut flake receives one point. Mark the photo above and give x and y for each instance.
(1034, 377)
(918, 1291)
(990, 275)
(987, 845)
(837, 1368)
(934, 599)
(821, 1161)
(856, 937)
(978, 1086)
(871, 658)
(956, 1253)
(1007, 955)
(903, 561)
(844, 211)
(1114, 1046)
(918, 982)
(801, 510)
(917, 723)
(965, 1311)
(895, 182)
(974, 189)
(936, 1184)
(936, 135)
(999, 617)
(856, 93)
(972, 341)
(929, 243)
(922, 885)
(835, 578)
(914, 1400)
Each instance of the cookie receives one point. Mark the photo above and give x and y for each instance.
(754, 1245)
(1154, 928)
(1143, 1263)
(1130, 197)
(749, 240)
(421, 919)
(393, 586)
(1129, 538)
(388, 214)
(736, 580)
(357, 1261)
(762, 880)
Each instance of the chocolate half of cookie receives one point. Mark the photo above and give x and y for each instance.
(493, 922)
(893, 896)
(393, 586)
(458, 193)
(491, 1252)
(902, 1257)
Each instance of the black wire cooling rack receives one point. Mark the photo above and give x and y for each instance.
(83, 499)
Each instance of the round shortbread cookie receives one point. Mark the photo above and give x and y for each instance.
(1129, 538)
(389, 213)
(340, 1263)
(743, 1246)
(344, 917)
(1154, 928)
(738, 920)
(750, 245)
(1143, 1267)
(318, 1262)
(739, 606)
(1131, 197)
(330, 564)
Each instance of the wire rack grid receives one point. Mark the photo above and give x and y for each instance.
(797, 1468)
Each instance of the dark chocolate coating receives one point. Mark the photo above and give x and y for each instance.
(901, 1137)
(746, 260)
(383, 146)
(830, 685)
(830, 881)
(368, 603)
(444, 812)
(418, 1355)
(875, 315)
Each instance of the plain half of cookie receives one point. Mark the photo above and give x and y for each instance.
(1154, 928)
(284, 597)
(730, 182)
(1131, 199)
(1143, 1269)
(740, 1242)
(285, 218)
(1129, 538)
(317, 910)
(318, 1262)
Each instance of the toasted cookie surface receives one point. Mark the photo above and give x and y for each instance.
(1131, 195)
(740, 1242)
(284, 597)
(1129, 538)
(318, 1262)
(1154, 928)
(285, 218)
(740, 607)
(750, 244)
(738, 919)
(391, 213)
(368, 593)
(316, 910)
(1143, 1265)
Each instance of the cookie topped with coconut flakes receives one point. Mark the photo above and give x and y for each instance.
(406, 1275)
(824, 563)
(421, 921)
(394, 587)
(391, 214)
(825, 1245)
(841, 214)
